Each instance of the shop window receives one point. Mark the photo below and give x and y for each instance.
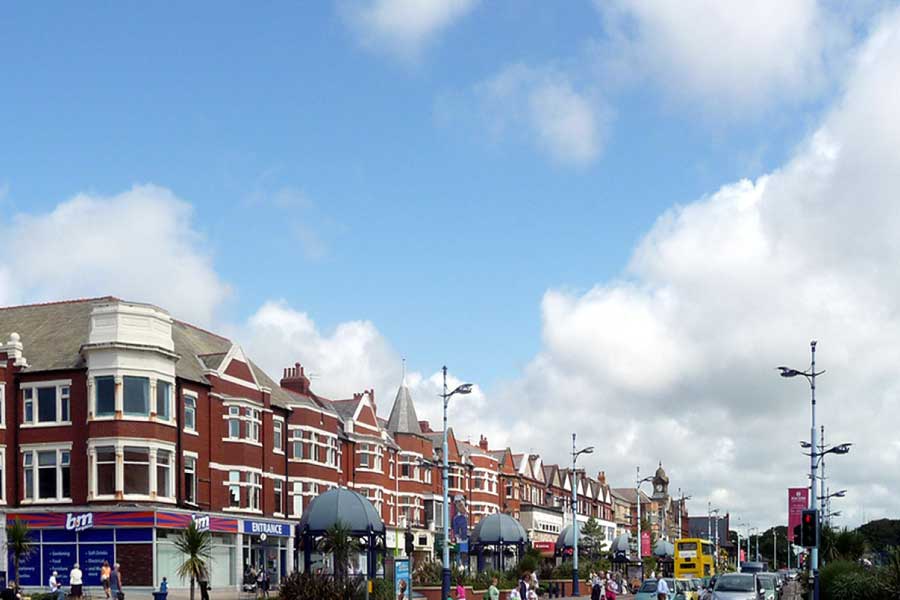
(106, 470)
(46, 474)
(105, 392)
(190, 479)
(136, 399)
(163, 399)
(164, 474)
(277, 493)
(277, 433)
(190, 413)
(137, 470)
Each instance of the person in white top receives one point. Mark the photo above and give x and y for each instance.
(662, 589)
(75, 582)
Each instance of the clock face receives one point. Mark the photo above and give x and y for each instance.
(658, 487)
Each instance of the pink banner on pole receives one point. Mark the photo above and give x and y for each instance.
(798, 501)
(645, 543)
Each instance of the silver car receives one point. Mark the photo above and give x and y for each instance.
(736, 586)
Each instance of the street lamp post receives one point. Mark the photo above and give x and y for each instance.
(575, 455)
(465, 388)
(716, 512)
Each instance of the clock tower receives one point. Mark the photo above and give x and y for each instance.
(660, 484)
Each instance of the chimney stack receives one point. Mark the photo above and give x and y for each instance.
(601, 477)
(295, 379)
(483, 443)
(425, 426)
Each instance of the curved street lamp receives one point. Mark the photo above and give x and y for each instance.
(575, 455)
(465, 388)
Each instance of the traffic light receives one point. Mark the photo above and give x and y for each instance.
(798, 535)
(809, 528)
(408, 538)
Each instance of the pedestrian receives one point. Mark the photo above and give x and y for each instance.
(204, 584)
(104, 577)
(75, 582)
(514, 594)
(10, 592)
(662, 588)
(164, 586)
(56, 586)
(115, 582)
(523, 586)
(611, 589)
(260, 576)
(460, 590)
(493, 592)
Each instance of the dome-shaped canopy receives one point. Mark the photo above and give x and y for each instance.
(566, 539)
(663, 548)
(622, 543)
(499, 529)
(352, 510)
(661, 474)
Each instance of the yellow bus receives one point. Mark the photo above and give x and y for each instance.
(695, 557)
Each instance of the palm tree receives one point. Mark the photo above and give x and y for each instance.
(341, 545)
(19, 543)
(196, 546)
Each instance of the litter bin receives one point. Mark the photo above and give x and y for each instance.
(160, 595)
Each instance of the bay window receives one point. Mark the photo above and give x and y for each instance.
(234, 422)
(105, 461)
(190, 479)
(46, 404)
(369, 456)
(164, 474)
(137, 470)
(255, 484)
(105, 391)
(163, 399)
(136, 396)
(254, 423)
(46, 473)
(315, 447)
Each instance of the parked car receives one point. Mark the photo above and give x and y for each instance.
(736, 586)
(769, 586)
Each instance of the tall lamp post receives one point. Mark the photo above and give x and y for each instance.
(814, 455)
(716, 512)
(637, 489)
(575, 455)
(465, 388)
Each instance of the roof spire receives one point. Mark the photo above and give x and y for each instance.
(403, 376)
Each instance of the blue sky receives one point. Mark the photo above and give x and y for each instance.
(447, 239)
(616, 217)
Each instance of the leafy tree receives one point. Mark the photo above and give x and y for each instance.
(593, 536)
(881, 534)
(196, 547)
(19, 544)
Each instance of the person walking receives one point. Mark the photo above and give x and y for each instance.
(612, 589)
(75, 582)
(204, 584)
(523, 586)
(115, 582)
(460, 590)
(56, 586)
(662, 588)
(104, 577)
(493, 593)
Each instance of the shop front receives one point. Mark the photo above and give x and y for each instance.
(143, 543)
(269, 545)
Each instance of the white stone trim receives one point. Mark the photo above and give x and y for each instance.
(119, 444)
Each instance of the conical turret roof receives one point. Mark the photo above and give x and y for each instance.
(403, 417)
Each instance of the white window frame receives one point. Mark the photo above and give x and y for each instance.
(278, 431)
(33, 450)
(317, 440)
(374, 450)
(305, 489)
(254, 483)
(118, 377)
(3, 407)
(278, 492)
(193, 398)
(249, 418)
(233, 482)
(154, 386)
(193, 457)
(31, 389)
(119, 444)
(237, 480)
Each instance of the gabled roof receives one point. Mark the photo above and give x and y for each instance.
(346, 408)
(629, 495)
(403, 417)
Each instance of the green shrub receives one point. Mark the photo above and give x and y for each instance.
(830, 573)
(307, 586)
(427, 573)
(382, 589)
(862, 585)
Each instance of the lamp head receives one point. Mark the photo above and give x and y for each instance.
(805, 444)
(465, 388)
(788, 372)
(842, 449)
(588, 450)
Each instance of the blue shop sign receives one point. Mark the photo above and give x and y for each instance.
(267, 527)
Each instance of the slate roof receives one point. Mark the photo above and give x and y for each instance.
(403, 417)
(346, 408)
(629, 495)
(52, 335)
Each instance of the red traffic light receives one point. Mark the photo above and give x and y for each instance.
(807, 518)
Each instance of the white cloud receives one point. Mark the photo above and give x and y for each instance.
(403, 27)
(731, 57)
(676, 360)
(562, 121)
(138, 245)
